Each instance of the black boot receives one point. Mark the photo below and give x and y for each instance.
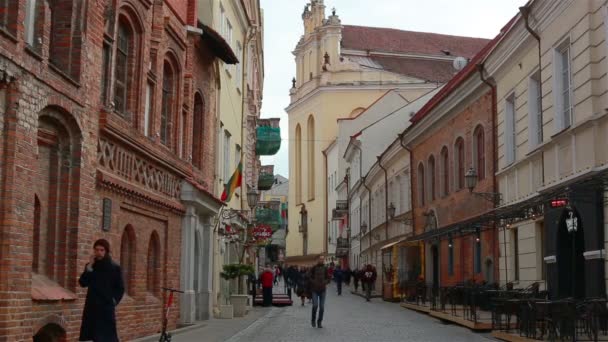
(313, 323)
(319, 324)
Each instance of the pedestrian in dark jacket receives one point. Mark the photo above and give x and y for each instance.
(368, 279)
(302, 284)
(103, 278)
(356, 277)
(319, 278)
(339, 278)
(347, 275)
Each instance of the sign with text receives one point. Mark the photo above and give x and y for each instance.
(262, 232)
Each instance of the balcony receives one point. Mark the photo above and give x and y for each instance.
(268, 134)
(340, 211)
(269, 213)
(266, 177)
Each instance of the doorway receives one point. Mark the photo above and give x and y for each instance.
(570, 258)
(435, 266)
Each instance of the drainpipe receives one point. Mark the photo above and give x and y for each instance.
(401, 135)
(369, 212)
(385, 198)
(347, 181)
(481, 68)
(525, 13)
(325, 247)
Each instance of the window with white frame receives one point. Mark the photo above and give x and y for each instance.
(510, 129)
(535, 116)
(563, 86)
(226, 156)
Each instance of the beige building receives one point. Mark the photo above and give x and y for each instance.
(552, 129)
(340, 71)
(240, 23)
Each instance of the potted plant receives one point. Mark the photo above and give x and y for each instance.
(238, 271)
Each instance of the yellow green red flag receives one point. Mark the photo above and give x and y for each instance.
(233, 184)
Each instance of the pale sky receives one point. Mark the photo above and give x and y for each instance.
(283, 27)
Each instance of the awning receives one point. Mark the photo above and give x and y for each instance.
(218, 44)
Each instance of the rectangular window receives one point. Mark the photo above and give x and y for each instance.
(148, 109)
(105, 72)
(563, 87)
(228, 32)
(510, 129)
(515, 253)
(478, 256)
(535, 116)
(30, 20)
(226, 156)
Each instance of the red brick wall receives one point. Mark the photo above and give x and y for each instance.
(31, 86)
(458, 205)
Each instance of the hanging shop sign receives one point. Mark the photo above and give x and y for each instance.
(262, 232)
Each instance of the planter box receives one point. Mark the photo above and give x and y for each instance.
(239, 302)
(226, 312)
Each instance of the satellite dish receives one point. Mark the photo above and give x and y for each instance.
(460, 63)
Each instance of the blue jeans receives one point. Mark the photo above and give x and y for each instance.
(318, 301)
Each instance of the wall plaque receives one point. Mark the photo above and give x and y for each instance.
(106, 223)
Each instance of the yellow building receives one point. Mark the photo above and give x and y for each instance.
(552, 129)
(340, 71)
(240, 23)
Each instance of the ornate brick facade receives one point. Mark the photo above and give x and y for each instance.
(78, 164)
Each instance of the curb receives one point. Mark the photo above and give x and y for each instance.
(155, 337)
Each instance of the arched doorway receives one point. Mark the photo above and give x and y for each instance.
(50, 333)
(570, 258)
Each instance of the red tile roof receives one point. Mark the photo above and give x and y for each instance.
(462, 75)
(425, 69)
(392, 40)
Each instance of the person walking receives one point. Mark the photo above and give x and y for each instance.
(347, 275)
(302, 284)
(103, 278)
(339, 278)
(369, 278)
(267, 283)
(356, 277)
(319, 278)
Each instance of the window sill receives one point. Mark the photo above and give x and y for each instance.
(32, 52)
(45, 289)
(8, 34)
(238, 90)
(63, 74)
(228, 72)
(560, 132)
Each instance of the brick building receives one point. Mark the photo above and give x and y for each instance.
(106, 111)
(451, 135)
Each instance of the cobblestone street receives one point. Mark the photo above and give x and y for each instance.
(347, 318)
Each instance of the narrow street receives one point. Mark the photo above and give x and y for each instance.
(347, 318)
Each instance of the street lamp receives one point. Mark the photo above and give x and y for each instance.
(391, 210)
(364, 227)
(252, 198)
(470, 180)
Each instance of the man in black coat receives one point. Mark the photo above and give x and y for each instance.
(103, 277)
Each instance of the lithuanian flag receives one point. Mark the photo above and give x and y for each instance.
(233, 184)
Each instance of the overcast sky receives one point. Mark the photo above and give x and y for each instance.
(283, 28)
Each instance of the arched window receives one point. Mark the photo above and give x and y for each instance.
(198, 131)
(56, 183)
(298, 164)
(127, 258)
(36, 256)
(169, 101)
(432, 183)
(421, 197)
(153, 279)
(459, 164)
(125, 67)
(311, 157)
(479, 152)
(445, 172)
